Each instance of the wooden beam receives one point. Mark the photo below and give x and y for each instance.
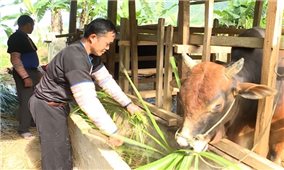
(172, 118)
(133, 41)
(245, 156)
(268, 76)
(192, 49)
(160, 62)
(124, 54)
(209, 5)
(111, 13)
(183, 31)
(72, 16)
(182, 38)
(257, 13)
(250, 42)
(167, 104)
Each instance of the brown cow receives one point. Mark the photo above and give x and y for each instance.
(215, 98)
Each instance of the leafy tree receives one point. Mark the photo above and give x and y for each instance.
(88, 9)
(239, 13)
(54, 6)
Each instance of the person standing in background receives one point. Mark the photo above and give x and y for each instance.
(24, 59)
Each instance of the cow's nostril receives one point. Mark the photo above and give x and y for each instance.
(182, 141)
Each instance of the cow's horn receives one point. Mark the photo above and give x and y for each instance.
(188, 60)
(235, 68)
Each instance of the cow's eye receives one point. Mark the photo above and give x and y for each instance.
(217, 107)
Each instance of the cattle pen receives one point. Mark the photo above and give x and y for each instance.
(203, 44)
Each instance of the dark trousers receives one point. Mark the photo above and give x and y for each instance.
(24, 94)
(51, 124)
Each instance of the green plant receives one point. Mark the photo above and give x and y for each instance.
(4, 58)
(239, 13)
(8, 98)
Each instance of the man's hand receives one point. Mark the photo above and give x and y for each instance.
(114, 141)
(28, 82)
(132, 108)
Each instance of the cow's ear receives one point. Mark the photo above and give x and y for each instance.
(254, 91)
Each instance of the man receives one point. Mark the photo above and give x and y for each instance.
(70, 75)
(25, 73)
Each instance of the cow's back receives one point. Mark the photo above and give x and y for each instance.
(253, 57)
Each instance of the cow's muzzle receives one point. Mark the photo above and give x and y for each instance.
(198, 143)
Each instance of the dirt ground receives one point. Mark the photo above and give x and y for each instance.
(16, 153)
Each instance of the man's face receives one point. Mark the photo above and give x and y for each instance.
(100, 43)
(30, 28)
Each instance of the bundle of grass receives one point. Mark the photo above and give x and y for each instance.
(132, 126)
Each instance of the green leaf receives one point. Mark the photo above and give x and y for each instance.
(219, 160)
(160, 164)
(186, 162)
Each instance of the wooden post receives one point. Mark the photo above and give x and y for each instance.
(133, 42)
(110, 55)
(124, 52)
(183, 38)
(257, 13)
(209, 5)
(72, 16)
(160, 62)
(183, 32)
(268, 76)
(168, 69)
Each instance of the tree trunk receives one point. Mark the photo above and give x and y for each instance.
(56, 21)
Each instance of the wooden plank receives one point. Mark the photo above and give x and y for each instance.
(160, 62)
(146, 31)
(167, 104)
(133, 41)
(250, 42)
(246, 156)
(147, 37)
(217, 30)
(172, 118)
(152, 93)
(268, 76)
(257, 13)
(219, 152)
(209, 5)
(89, 147)
(192, 49)
(148, 93)
(146, 71)
(127, 43)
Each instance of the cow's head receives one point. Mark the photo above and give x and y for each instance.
(207, 94)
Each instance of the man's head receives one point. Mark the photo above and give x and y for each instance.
(26, 24)
(100, 33)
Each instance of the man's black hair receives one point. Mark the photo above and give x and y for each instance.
(24, 19)
(99, 26)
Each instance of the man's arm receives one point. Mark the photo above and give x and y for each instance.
(106, 81)
(108, 84)
(19, 67)
(85, 96)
